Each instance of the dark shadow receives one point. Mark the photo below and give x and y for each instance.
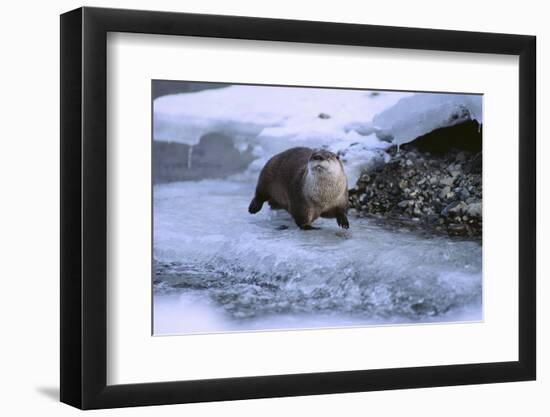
(51, 392)
(466, 136)
(214, 156)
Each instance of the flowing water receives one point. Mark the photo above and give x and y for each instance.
(218, 268)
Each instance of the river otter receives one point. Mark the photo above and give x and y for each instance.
(305, 182)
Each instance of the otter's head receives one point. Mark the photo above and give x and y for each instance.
(323, 161)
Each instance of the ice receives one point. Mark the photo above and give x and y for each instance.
(239, 271)
(423, 113)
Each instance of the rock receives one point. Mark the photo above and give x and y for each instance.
(323, 116)
(457, 229)
(474, 166)
(446, 190)
(447, 181)
(447, 210)
(431, 218)
(461, 156)
(475, 210)
(458, 208)
(464, 194)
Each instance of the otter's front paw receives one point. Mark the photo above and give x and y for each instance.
(342, 221)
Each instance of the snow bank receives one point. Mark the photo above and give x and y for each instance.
(358, 124)
(294, 114)
(423, 113)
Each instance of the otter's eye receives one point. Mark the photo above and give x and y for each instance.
(317, 158)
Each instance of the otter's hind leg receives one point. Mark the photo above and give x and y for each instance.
(303, 218)
(273, 205)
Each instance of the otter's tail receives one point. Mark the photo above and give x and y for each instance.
(255, 206)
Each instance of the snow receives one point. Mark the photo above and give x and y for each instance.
(358, 124)
(266, 112)
(423, 113)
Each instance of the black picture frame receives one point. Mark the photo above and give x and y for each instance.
(84, 207)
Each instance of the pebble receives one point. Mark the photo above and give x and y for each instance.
(446, 190)
(475, 210)
(461, 156)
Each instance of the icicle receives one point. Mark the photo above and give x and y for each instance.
(189, 156)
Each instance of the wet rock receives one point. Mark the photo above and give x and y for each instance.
(457, 229)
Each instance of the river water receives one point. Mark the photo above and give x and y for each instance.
(218, 268)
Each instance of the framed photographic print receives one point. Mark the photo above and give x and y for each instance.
(257, 208)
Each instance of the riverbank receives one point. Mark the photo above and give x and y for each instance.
(439, 190)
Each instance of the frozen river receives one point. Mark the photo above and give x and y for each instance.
(218, 268)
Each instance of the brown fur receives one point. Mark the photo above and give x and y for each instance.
(307, 183)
